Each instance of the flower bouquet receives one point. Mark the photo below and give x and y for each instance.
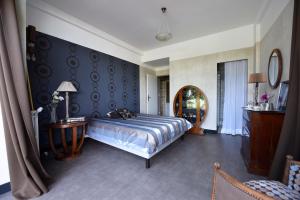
(53, 105)
(265, 98)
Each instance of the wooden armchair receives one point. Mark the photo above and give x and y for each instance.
(225, 187)
(289, 162)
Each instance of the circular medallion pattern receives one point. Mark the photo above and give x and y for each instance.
(76, 84)
(43, 43)
(73, 62)
(125, 96)
(43, 71)
(135, 91)
(112, 105)
(95, 76)
(111, 87)
(95, 96)
(124, 80)
(94, 56)
(111, 69)
(43, 98)
(96, 114)
(75, 108)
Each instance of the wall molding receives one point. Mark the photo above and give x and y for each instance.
(237, 38)
(157, 69)
(269, 15)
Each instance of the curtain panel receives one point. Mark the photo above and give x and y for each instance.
(235, 96)
(27, 174)
(289, 141)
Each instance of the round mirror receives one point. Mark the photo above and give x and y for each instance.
(191, 103)
(275, 68)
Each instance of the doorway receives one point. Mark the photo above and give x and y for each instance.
(220, 95)
(164, 95)
(231, 95)
(152, 103)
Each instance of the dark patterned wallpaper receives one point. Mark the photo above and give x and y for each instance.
(103, 82)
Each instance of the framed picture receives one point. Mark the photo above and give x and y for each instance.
(282, 96)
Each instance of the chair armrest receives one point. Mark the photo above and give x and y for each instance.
(288, 162)
(225, 187)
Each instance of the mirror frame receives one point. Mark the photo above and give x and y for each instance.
(277, 81)
(207, 104)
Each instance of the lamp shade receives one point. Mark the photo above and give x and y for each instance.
(66, 86)
(257, 78)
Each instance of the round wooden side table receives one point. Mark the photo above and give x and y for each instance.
(66, 154)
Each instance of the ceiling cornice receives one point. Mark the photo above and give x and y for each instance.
(269, 14)
(262, 11)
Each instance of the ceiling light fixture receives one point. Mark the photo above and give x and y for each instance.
(164, 33)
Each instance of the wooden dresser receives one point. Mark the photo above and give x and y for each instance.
(261, 131)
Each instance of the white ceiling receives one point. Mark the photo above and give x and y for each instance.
(158, 62)
(136, 21)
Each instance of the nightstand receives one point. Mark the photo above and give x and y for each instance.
(69, 152)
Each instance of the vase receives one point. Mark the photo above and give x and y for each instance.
(265, 106)
(53, 115)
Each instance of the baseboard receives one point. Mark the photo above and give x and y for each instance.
(4, 188)
(208, 131)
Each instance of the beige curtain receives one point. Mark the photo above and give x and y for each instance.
(27, 175)
(289, 142)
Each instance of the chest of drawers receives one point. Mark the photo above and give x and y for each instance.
(261, 132)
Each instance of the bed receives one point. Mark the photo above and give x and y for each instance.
(143, 135)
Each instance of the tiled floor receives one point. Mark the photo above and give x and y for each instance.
(182, 171)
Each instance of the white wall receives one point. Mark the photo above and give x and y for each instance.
(52, 21)
(278, 36)
(162, 72)
(4, 173)
(202, 72)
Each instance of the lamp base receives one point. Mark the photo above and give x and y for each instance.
(256, 94)
(67, 105)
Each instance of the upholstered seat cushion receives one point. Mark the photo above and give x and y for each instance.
(274, 189)
(294, 178)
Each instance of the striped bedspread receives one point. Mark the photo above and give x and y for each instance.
(143, 133)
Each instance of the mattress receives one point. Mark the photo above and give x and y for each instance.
(144, 133)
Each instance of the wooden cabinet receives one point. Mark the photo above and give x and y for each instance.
(191, 103)
(261, 132)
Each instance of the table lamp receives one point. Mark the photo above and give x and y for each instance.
(257, 78)
(66, 86)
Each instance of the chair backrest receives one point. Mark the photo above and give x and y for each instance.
(289, 162)
(225, 187)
